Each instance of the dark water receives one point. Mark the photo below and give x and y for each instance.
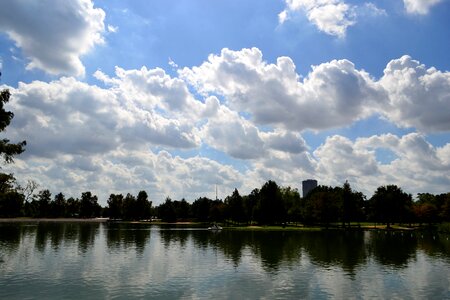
(120, 261)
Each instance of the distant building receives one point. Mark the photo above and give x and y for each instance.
(308, 185)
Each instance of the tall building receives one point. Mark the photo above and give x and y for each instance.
(308, 185)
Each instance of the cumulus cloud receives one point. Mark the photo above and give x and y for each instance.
(83, 137)
(53, 35)
(238, 137)
(418, 166)
(339, 158)
(228, 132)
(154, 89)
(330, 16)
(285, 141)
(333, 94)
(126, 170)
(124, 136)
(418, 97)
(68, 116)
(420, 7)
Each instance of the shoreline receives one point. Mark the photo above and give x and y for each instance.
(362, 227)
(55, 220)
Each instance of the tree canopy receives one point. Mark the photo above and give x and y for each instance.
(11, 200)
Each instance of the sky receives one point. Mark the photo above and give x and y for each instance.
(180, 97)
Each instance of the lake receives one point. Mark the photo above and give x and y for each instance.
(137, 261)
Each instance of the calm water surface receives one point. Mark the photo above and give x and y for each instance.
(125, 261)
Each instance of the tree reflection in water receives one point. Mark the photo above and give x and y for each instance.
(333, 248)
(392, 249)
(127, 236)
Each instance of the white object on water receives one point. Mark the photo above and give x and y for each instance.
(215, 227)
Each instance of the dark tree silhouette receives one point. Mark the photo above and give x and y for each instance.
(167, 211)
(142, 206)
(201, 208)
(235, 207)
(43, 203)
(115, 203)
(390, 204)
(270, 208)
(89, 206)
(352, 205)
(11, 201)
(58, 206)
(8, 150)
(129, 207)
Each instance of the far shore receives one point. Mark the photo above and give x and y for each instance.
(287, 227)
(75, 220)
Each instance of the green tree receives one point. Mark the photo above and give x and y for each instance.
(445, 209)
(322, 205)
(390, 204)
(201, 209)
(11, 201)
(425, 212)
(8, 150)
(182, 209)
(142, 206)
(115, 203)
(73, 208)
(235, 207)
(250, 204)
(129, 207)
(89, 206)
(291, 200)
(166, 211)
(43, 203)
(217, 211)
(352, 205)
(270, 208)
(58, 206)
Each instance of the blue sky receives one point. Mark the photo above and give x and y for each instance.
(176, 97)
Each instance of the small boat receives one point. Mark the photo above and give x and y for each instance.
(215, 227)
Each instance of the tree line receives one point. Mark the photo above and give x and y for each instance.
(325, 205)
(271, 204)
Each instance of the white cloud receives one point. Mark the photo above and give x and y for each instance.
(123, 137)
(418, 167)
(340, 159)
(53, 35)
(228, 132)
(369, 9)
(418, 97)
(112, 29)
(420, 7)
(333, 94)
(83, 137)
(173, 64)
(285, 141)
(330, 16)
(274, 94)
(68, 116)
(154, 89)
(125, 170)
